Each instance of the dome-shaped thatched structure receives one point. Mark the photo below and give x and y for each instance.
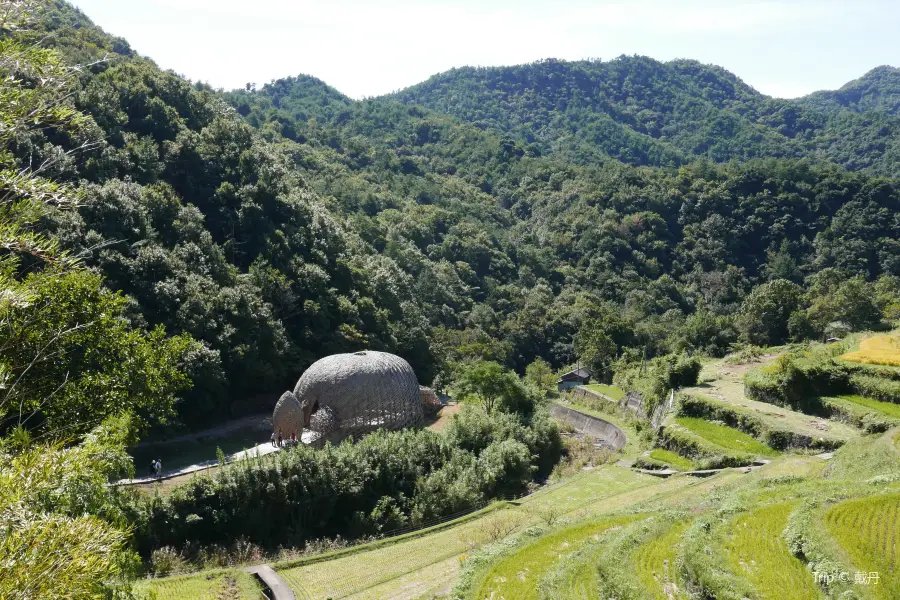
(288, 416)
(353, 394)
(431, 404)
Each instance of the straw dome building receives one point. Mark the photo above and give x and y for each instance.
(351, 394)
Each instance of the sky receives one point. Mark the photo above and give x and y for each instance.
(784, 48)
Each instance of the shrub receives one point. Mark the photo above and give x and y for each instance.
(665, 373)
(874, 386)
(798, 383)
(385, 481)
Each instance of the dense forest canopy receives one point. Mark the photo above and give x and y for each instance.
(570, 211)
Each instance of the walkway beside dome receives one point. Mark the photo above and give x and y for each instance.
(260, 450)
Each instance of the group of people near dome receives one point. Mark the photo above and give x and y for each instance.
(278, 440)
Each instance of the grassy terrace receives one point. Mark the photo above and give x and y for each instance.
(725, 383)
(517, 574)
(727, 438)
(612, 532)
(656, 564)
(232, 584)
(887, 408)
(607, 390)
(437, 556)
(676, 461)
(757, 551)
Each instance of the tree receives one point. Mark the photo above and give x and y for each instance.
(50, 497)
(69, 359)
(540, 375)
(782, 265)
(765, 314)
(495, 388)
(68, 355)
(852, 301)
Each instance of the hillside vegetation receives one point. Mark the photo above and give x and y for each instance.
(172, 255)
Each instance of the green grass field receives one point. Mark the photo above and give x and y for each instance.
(676, 461)
(869, 530)
(757, 551)
(416, 560)
(212, 585)
(725, 437)
(656, 565)
(888, 408)
(517, 575)
(608, 390)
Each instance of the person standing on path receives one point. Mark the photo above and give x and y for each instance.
(272, 439)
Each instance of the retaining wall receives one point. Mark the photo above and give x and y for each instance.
(595, 427)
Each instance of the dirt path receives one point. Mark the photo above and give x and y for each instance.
(445, 416)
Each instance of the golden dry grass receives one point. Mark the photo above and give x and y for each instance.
(879, 350)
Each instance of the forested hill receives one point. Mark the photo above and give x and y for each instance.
(878, 90)
(280, 225)
(646, 112)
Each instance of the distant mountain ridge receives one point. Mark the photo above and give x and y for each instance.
(879, 89)
(646, 112)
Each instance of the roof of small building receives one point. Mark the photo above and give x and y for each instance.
(579, 373)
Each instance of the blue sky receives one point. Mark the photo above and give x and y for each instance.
(782, 48)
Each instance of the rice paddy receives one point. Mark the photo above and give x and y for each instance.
(878, 350)
(869, 530)
(517, 575)
(214, 585)
(757, 551)
(725, 437)
(656, 565)
(676, 461)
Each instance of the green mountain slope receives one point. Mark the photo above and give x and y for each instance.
(646, 112)
(879, 89)
(504, 219)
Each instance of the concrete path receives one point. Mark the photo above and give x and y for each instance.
(271, 579)
(260, 450)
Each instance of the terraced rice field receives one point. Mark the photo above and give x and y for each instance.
(725, 437)
(656, 568)
(878, 350)
(726, 384)
(676, 461)
(215, 585)
(757, 551)
(868, 529)
(517, 575)
(887, 408)
(432, 561)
